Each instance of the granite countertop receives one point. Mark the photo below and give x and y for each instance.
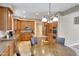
(4, 42)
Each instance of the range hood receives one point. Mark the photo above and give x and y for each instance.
(28, 30)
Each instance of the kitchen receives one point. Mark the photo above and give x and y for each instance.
(17, 31)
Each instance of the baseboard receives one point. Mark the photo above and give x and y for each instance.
(72, 44)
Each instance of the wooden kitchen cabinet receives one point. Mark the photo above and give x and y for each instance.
(30, 24)
(5, 52)
(25, 37)
(22, 37)
(20, 25)
(15, 24)
(11, 48)
(9, 21)
(3, 12)
(50, 31)
(23, 24)
(5, 18)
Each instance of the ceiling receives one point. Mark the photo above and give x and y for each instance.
(37, 10)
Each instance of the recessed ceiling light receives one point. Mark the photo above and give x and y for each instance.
(24, 16)
(24, 11)
(48, 13)
(36, 13)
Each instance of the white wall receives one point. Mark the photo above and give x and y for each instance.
(39, 29)
(60, 29)
(68, 29)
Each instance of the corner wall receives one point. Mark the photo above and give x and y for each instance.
(68, 29)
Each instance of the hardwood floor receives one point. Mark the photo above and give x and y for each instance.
(25, 48)
(76, 48)
(44, 50)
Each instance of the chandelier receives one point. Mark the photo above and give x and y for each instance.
(49, 19)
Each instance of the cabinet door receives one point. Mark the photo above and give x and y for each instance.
(9, 21)
(27, 24)
(6, 52)
(3, 18)
(11, 49)
(15, 24)
(22, 37)
(19, 25)
(27, 37)
(23, 24)
(49, 32)
(30, 24)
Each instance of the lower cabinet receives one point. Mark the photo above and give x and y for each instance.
(5, 52)
(10, 50)
(25, 37)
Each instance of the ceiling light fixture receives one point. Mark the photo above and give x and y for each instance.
(50, 19)
(36, 13)
(24, 16)
(55, 19)
(24, 12)
(49, 14)
(44, 19)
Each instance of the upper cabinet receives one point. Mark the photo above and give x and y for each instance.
(24, 27)
(9, 20)
(29, 24)
(20, 25)
(5, 18)
(17, 24)
(50, 30)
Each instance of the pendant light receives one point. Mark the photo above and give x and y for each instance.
(55, 19)
(44, 19)
(50, 19)
(49, 14)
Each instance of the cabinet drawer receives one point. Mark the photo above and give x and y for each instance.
(25, 37)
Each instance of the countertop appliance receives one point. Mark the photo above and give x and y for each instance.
(9, 34)
(2, 34)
